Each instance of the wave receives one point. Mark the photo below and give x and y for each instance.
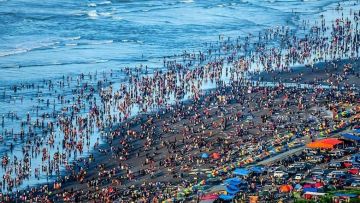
(57, 63)
(38, 46)
(16, 51)
(92, 5)
(104, 3)
(105, 14)
(92, 14)
(99, 42)
(187, 1)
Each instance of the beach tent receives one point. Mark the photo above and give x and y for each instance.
(241, 172)
(204, 155)
(315, 193)
(310, 189)
(285, 188)
(234, 181)
(227, 197)
(231, 189)
(351, 137)
(328, 143)
(345, 195)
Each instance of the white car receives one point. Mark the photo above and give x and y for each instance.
(356, 183)
(299, 176)
(334, 173)
(280, 174)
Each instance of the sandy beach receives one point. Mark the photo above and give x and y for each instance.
(175, 134)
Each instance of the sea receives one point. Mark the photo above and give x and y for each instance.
(46, 40)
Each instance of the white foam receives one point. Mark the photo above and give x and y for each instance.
(106, 14)
(100, 42)
(93, 14)
(117, 18)
(71, 44)
(92, 4)
(74, 38)
(187, 1)
(104, 2)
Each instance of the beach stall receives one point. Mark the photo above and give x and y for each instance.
(351, 137)
(313, 195)
(328, 143)
(342, 197)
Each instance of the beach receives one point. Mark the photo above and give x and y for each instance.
(145, 134)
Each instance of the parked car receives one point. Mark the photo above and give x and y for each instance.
(333, 174)
(299, 176)
(292, 171)
(317, 159)
(347, 164)
(335, 165)
(350, 150)
(353, 171)
(355, 183)
(336, 153)
(280, 174)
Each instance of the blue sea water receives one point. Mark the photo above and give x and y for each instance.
(57, 37)
(48, 39)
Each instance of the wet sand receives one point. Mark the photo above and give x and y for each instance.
(170, 140)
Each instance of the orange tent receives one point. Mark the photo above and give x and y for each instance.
(328, 143)
(215, 155)
(285, 188)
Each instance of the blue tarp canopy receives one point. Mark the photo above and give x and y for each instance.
(234, 181)
(310, 189)
(232, 189)
(241, 172)
(226, 197)
(350, 136)
(345, 195)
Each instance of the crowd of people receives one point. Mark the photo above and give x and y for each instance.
(98, 139)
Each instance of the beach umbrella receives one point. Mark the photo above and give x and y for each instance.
(285, 188)
(298, 187)
(204, 155)
(215, 155)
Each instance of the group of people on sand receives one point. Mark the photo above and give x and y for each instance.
(152, 153)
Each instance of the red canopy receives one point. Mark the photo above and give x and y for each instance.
(328, 143)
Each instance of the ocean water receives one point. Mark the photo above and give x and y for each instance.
(48, 39)
(59, 37)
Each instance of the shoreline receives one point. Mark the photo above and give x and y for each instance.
(100, 156)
